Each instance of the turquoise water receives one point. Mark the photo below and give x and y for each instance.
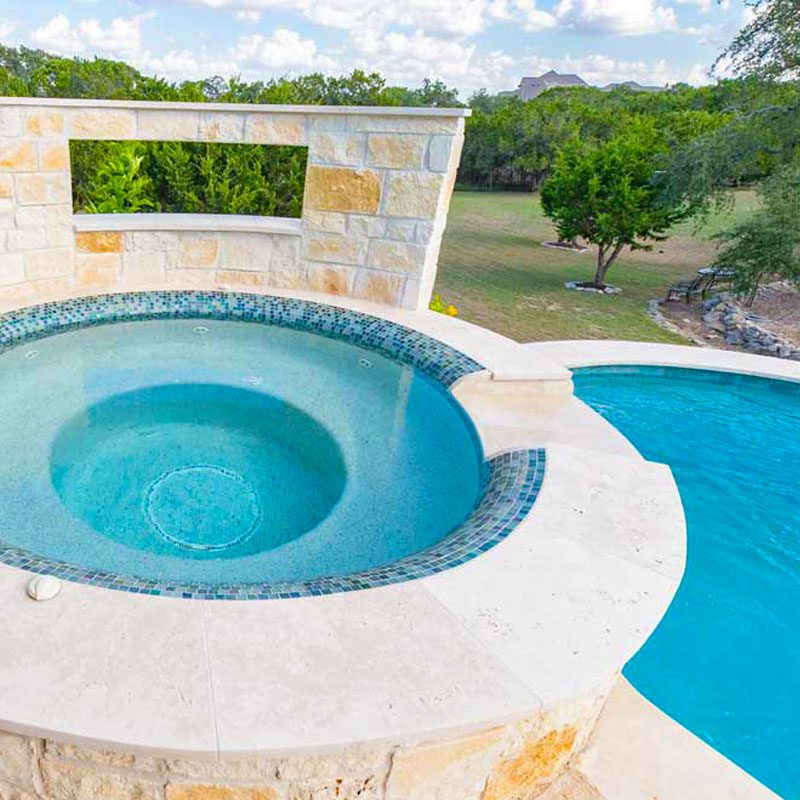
(226, 452)
(725, 661)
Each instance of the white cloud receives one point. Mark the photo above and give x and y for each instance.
(249, 16)
(121, 38)
(7, 27)
(706, 5)
(281, 50)
(616, 17)
(532, 18)
(458, 17)
(58, 36)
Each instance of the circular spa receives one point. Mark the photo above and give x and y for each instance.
(305, 551)
(216, 455)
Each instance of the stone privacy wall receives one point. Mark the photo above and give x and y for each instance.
(378, 184)
(517, 761)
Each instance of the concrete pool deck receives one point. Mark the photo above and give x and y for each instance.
(483, 681)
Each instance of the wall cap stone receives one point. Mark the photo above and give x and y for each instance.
(377, 111)
(235, 223)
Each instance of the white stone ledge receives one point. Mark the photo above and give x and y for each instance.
(373, 111)
(234, 223)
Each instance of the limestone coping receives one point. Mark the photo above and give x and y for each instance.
(549, 614)
(261, 108)
(591, 353)
(235, 223)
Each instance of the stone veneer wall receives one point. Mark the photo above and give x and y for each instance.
(378, 184)
(518, 761)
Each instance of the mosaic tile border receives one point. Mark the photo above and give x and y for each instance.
(513, 479)
(436, 359)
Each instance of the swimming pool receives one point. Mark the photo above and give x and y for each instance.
(208, 445)
(725, 661)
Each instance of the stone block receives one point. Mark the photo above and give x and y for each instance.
(413, 194)
(7, 218)
(400, 124)
(401, 230)
(167, 126)
(99, 241)
(537, 763)
(232, 279)
(200, 252)
(58, 189)
(54, 156)
(43, 123)
(144, 241)
(143, 267)
(439, 150)
(399, 151)
(49, 263)
(12, 270)
(326, 122)
(191, 278)
(247, 251)
(17, 753)
(27, 239)
(340, 149)
(104, 758)
(285, 252)
(74, 781)
(324, 221)
(341, 189)
(371, 227)
(17, 156)
(274, 129)
(336, 249)
(96, 124)
(180, 791)
(330, 280)
(10, 123)
(445, 770)
(6, 186)
(98, 269)
(221, 127)
(397, 256)
(424, 232)
(59, 235)
(379, 287)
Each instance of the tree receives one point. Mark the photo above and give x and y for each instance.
(607, 194)
(766, 245)
(769, 45)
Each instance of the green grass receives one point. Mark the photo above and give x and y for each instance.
(494, 269)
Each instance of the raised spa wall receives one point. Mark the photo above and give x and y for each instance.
(378, 184)
(518, 761)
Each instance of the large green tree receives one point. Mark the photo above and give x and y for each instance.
(607, 194)
(768, 45)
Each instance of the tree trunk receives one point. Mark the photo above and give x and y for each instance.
(605, 259)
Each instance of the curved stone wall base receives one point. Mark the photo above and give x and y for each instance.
(516, 761)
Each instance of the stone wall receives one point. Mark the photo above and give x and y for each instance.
(378, 184)
(517, 761)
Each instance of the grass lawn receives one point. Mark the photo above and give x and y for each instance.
(493, 268)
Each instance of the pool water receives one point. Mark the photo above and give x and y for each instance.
(725, 660)
(226, 452)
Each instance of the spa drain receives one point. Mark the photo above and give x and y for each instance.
(203, 507)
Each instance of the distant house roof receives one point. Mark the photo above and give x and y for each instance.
(531, 87)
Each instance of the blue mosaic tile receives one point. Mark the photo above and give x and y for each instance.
(512, 479)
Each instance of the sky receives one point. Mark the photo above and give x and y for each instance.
(468, 44)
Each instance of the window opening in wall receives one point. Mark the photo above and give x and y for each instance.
(133, 177)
